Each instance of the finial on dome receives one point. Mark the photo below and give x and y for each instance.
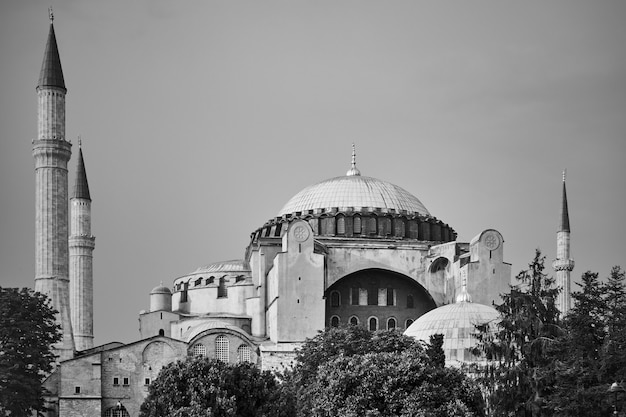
(463, 296)
(80, 142)
(50, 14)
(564, 174)
(353, 169)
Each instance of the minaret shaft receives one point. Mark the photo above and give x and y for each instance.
(81, 245)
(563, 264)
(52, 153)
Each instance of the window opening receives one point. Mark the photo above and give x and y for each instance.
(355, 296)
(409, 301)
(391, 324)
(334, 321)
(198, 350)
(243, 353)
(354, 320)
(222, 291)
(335, 299)
(390, 298)
(221, 348)
(357, 225)
(373, 324)
(341, 225)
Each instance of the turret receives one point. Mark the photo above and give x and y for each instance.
(563, 264)
(81, 246)
(51, 153)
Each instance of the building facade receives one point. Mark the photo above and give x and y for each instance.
(348, 250)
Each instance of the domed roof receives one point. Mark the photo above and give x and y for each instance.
(235, 265)
(457, 324)
(355, 191)
(161, 289)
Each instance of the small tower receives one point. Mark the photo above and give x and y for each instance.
(51, 153)
(563, 264)
(81, 244)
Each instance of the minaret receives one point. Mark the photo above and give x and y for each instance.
(51, 153)
(81, 246)
(563, 264)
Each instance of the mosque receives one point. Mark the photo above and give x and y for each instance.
(348, 250)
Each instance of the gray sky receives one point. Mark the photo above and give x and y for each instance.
(200, 119)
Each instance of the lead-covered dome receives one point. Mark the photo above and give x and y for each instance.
(354, 191)
(457, 323)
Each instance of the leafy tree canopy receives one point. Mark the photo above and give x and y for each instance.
(350, 371)
(27, 332)
(201, 387)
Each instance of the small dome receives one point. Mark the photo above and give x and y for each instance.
(354, 191)
(236, 265)
(161, 289)
(457, 324)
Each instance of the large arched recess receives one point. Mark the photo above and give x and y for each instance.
(379, 294)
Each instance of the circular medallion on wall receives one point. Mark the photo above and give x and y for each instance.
(491, 240)
(301, 233)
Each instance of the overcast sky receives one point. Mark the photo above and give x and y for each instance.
(200, 119)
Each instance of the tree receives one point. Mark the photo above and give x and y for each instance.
(199, 387)
(28, 330)
(518, 347)
(590, 354)
(350, 371)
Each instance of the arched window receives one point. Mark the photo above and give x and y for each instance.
(243, 353)
(357, 225)
(116, 411)
(210, 280)
(335, 299)
(408, 323)
(391, 323)
(198, 350)
(354, 320)
(161, 332)
(197, 282)
(334, 321)
(409, 301)
(341, 224)
(222, 291)
(373, 321)
(371, 225)
(221, 348)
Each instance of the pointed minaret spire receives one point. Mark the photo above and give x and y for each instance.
(81, 187)
(51, 74)
(353, 169)
(563, 264)
(564, 212)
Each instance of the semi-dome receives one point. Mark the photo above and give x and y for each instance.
(457, 322)
(354, 191)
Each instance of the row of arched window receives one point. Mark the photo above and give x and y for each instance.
(222, 350)
(370, 296)
(372, 322)
(222, 289)
(368, 224)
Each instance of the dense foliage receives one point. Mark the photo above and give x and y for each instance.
(546, 366)
(202, 387)
(350, 371)
(27, 332)
(518, 347)
(591, 352)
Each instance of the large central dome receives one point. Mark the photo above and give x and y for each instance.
(356, 191)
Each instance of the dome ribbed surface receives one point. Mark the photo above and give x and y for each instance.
(457, 324)
(354, 191)
(236, 265)
(161, 289)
